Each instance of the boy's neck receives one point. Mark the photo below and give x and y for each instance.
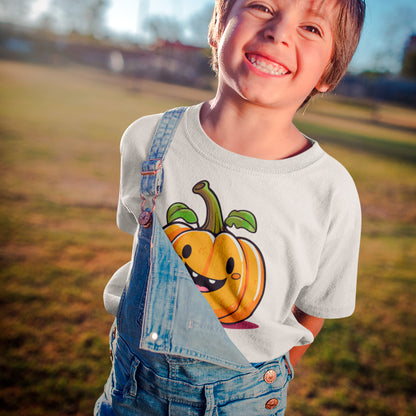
(253, 131)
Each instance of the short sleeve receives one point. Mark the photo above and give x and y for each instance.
(114, 289)
(134, 147)
(333, 291)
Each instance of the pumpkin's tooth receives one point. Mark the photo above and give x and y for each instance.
(212, 281)
(194, 274)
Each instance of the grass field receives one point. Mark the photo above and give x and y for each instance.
(59, 163)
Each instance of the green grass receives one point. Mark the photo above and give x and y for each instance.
(60, 129)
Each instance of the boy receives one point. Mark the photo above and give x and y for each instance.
(217, 310)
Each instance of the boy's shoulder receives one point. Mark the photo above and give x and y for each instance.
(335, 176)
(139, 130)
(340, 171)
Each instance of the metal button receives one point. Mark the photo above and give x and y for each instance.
(154, 336)
(271, 404)
(145, 219)
(270, 376)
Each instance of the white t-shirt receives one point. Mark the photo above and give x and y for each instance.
(300, 218)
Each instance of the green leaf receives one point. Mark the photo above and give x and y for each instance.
(182, 211)
(242, 219)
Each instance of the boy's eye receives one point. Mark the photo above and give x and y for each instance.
(261, 8)
(312, 29)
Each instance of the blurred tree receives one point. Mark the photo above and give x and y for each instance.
(83, 16)
(46, 22)
(393, 31)
(409, 58)
(143, 13)
(164, 27)
(15, 11)
(198, 25)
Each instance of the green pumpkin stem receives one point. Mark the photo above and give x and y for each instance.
(214, 221)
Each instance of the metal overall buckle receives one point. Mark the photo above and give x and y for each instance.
(146, 215)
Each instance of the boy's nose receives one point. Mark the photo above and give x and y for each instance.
(279, 30)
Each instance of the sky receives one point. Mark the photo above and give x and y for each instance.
(388, 25)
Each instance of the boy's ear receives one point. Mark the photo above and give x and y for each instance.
(322, 87)
(212, 41)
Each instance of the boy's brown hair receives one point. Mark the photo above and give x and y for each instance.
(347, 31)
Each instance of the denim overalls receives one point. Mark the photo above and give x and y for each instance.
(170, 353)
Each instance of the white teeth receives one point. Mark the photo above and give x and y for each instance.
(194, 274)
(212, 281)
(272, 69)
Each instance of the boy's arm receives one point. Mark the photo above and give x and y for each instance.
(310, 322)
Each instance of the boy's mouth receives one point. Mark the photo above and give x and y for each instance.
(265, 65)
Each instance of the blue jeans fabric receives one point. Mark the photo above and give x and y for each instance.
(170, 353)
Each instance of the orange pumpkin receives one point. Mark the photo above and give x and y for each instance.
(229, 271)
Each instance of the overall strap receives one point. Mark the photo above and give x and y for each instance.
(152, 171)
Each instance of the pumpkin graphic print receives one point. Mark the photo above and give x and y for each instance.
(228, 270)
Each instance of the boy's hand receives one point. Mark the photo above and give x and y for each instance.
(310, 322)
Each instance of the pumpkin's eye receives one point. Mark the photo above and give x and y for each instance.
(186, 251)
(230, 265)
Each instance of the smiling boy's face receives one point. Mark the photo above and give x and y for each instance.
(273, 53)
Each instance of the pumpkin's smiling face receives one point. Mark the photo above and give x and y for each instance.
(216, 265)
(227, 270)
